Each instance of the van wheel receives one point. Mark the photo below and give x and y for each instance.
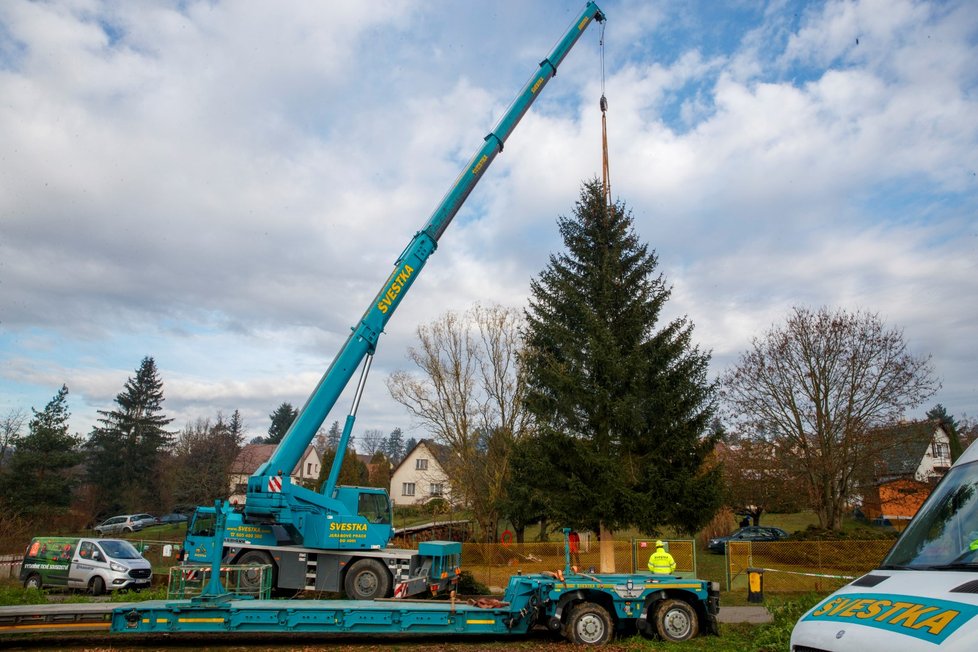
(250, 580)
(675, 620)
(97, 585)
(33, 581)
(127, 530)
(367, 579)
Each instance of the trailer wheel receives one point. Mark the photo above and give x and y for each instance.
(588, 624)
(33, 581)
(675, 620)
(367, 579)
(249, 580)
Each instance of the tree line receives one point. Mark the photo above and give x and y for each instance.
(133, 462)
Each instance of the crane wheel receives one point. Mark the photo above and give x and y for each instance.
(367, 579)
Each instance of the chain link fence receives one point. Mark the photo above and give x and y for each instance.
(802, 566)
(159, 553)
(493, 564)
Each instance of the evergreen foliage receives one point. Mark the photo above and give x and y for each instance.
(623, 404)
(408, 447)
(353, 472)
(395, 446)
(39, 478)
(125, 452)
(333, 436)
(282, 419)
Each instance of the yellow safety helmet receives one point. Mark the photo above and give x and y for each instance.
(659, 544)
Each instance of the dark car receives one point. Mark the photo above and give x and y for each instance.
(749, 533)
(172, 518)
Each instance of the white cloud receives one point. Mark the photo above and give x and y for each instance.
(225, 185)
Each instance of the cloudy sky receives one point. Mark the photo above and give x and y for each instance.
(225, 185)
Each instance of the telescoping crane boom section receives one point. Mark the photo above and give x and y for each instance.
(363, 339)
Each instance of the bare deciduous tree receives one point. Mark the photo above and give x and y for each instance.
(469, 395)
(756, 481)
(10, 427)
(818, 386)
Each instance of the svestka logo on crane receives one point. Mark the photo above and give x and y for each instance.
(394, 288)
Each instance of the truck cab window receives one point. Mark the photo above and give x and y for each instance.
(203, 525)
(375, 508)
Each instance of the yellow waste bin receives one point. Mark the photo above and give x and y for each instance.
(755, 585)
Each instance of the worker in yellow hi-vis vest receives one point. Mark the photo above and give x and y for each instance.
(661, 562)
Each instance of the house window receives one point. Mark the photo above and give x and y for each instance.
(308, 468)
(420, 464)
(407, 489)
(436, 489)
(942, 450)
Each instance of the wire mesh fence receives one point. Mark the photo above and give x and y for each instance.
(190, 580)
(800, 566)
(492, 564)
(159, 553)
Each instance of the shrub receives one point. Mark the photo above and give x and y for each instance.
(15, 594)
(720, 525)
(468, 585)
(776, 636)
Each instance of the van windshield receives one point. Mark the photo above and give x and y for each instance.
(944, 534)
(119, 549)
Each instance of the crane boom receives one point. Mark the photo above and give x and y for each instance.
(363, 340)
(262, 502)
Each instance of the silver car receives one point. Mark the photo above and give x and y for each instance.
(125, 523)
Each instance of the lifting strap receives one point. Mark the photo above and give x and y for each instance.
(605, 172)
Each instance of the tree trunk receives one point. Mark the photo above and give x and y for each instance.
(607, 550)
(543, 530)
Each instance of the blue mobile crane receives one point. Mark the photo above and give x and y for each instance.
(336, 538)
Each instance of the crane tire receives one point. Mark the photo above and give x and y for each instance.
(367, 579)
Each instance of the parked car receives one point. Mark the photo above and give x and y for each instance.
(749, 533)
(125, 523)
(173, 517)
(82, 563)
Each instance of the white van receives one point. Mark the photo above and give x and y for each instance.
(96, 565)
(924, 596)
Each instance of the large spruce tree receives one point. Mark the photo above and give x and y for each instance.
(40, 478)
(622, 402)
(125, 451)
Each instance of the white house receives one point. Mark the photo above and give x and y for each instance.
(306, 471)
(421, 476)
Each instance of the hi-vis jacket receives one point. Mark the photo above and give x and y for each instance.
(661, 562)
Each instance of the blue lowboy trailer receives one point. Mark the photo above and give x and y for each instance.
(585, 608)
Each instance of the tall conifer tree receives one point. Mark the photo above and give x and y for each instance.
(39, 481)
(125, 450)
(622, 402)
